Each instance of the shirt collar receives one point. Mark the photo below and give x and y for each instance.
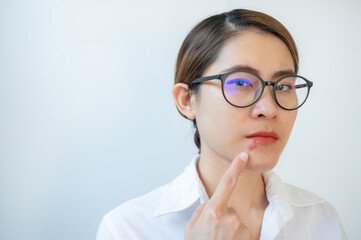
(187, 188)
(183, 191)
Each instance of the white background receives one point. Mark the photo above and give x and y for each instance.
(87, 119)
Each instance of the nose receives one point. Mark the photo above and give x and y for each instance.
(266, 106)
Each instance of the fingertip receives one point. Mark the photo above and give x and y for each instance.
(244, 157)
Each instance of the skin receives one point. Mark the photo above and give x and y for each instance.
(223, 129)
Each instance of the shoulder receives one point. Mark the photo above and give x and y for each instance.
(301, 197)
(288, 194)
(144, 205)
(314, 215)
(309, 202)
(127, 220)
(303, 214)
(160, 214)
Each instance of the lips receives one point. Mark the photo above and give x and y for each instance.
(263, 137)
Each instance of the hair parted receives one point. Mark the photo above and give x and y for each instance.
(204, 42)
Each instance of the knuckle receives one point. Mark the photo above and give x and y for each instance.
(234, 221)
(245, 232)
(214, 214)
(231, 211)
(230, 180)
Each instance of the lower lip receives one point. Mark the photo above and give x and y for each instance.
(261, 140)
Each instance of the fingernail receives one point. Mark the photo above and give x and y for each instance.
(244, 156)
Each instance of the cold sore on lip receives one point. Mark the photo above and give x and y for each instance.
(261, 140)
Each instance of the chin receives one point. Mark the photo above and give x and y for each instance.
(261, 163)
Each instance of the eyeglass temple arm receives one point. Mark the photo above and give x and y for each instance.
(204, 79)
(310, 84)
(301, 86)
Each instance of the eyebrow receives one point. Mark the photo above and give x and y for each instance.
(253, 70)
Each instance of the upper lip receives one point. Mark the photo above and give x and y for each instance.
(264, 134)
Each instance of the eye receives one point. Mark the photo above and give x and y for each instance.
(240, 82)
(284, 87)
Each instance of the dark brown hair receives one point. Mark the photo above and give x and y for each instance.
(202, 45)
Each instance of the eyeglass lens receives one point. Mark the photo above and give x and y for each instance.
(242, 89)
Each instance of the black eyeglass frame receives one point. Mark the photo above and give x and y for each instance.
(224, 76)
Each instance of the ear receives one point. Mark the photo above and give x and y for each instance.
(184, 100)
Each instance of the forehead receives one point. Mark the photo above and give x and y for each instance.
(260, 50)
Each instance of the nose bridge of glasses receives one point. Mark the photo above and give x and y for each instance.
(271, 90)
(269, 83)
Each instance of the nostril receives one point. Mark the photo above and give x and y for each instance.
(261, 115)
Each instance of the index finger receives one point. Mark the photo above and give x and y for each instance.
(229, 180)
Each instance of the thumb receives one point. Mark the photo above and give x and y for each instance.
(194, 217)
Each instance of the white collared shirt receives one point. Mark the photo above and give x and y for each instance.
(292, 213)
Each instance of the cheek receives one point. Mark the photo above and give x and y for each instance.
(218, 122)
(211, 116)
(288, 120)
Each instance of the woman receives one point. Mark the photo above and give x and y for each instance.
(236, 80)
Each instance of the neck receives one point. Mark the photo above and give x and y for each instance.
(249, 194)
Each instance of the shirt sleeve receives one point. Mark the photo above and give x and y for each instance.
(334, 224)
(105, 230)
(318, 221)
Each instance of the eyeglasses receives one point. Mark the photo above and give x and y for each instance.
(243, 89)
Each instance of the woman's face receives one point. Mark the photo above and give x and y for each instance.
(224, 129)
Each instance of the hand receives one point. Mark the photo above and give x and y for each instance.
(215, 220)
